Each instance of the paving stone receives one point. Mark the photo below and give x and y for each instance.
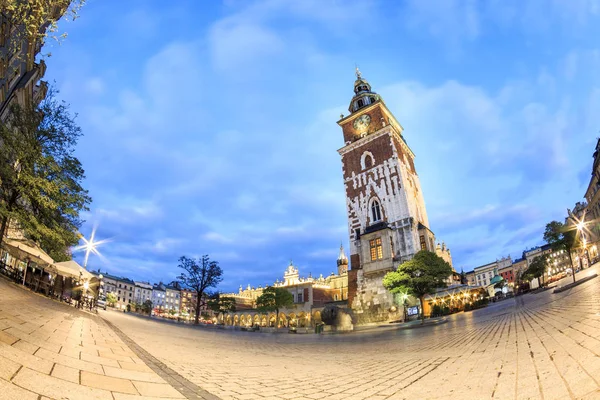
(99, 360)
(107, 383)
(25, 359)
(10, 391)
(134, 366)
(7, 338)
(66, 373)
(57, 388)
(25, 346)
(8, 368)
(69, 361)
(133, 375)
(157, 390)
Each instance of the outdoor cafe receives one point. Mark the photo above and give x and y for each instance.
(25, 263)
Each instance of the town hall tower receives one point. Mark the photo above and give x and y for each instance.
(387, 219)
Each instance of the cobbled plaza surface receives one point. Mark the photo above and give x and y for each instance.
(537, 346)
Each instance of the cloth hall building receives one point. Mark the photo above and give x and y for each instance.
(310, 296)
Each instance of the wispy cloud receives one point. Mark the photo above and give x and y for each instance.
(211, 129)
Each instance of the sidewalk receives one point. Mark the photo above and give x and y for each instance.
(51, 350)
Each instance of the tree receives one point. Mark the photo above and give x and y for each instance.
(463, 277)
(221, 304)
(561, 237)
(537, 268)
(36, 20)
(274, 299)
(147, 306)
(199, 275)
(40, 178)
(111, 299)
(419, 277)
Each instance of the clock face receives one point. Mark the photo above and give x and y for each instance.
(362, 123)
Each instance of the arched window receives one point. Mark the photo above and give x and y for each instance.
(367, 160)
(375, 211)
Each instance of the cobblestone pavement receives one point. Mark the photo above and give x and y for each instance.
(51, 350)
(539, 346)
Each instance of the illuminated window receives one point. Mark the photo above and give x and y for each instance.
(376, 249)
(375, 211)
(423, 244)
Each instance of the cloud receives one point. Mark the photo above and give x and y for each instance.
(234, 44)
(217, 135)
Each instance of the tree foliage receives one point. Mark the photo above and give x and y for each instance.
(274, 299)
(418, 277)
(147, 306)
(199, 276)
(36, 20)
(561, 237)
(221, 304)
(536, 268)
(40, 178)
(111, 299)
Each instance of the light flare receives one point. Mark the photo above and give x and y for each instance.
(91, 246)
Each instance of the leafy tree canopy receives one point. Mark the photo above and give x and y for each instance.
(111, 298)
(40, 178)
(420, 276)
(560, 236)
(36, 20)
(536, 268)
(221, 304)
(274, 299)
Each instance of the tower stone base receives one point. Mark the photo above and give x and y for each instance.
(371, 301)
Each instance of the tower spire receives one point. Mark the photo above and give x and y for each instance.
(357, 72)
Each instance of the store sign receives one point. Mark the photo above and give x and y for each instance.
(413, 310)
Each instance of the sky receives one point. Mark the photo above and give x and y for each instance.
(210, 126)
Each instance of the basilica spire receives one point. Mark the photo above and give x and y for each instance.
(342, 261)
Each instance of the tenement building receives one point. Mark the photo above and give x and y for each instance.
(20, 74)
(387, 218)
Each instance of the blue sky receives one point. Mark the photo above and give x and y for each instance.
(210, 126)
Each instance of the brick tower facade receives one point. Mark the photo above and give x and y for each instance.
(387, 219)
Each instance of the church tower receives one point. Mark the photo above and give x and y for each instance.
(342, 262)
(387, 219)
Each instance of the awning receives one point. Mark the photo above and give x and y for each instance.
(24, 249)
(72, 269)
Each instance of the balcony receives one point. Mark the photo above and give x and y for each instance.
(376, 227)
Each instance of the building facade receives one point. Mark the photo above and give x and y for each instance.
(172, 298)
(310, 296)
(20, 74)
(387, 219)
(122, 288)
(159, 294)
(143, 292)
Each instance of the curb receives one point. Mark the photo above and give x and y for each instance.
(572, 285)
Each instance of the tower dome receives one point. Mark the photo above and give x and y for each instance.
(363, 95)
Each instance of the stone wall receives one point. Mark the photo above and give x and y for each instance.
(373, 302)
